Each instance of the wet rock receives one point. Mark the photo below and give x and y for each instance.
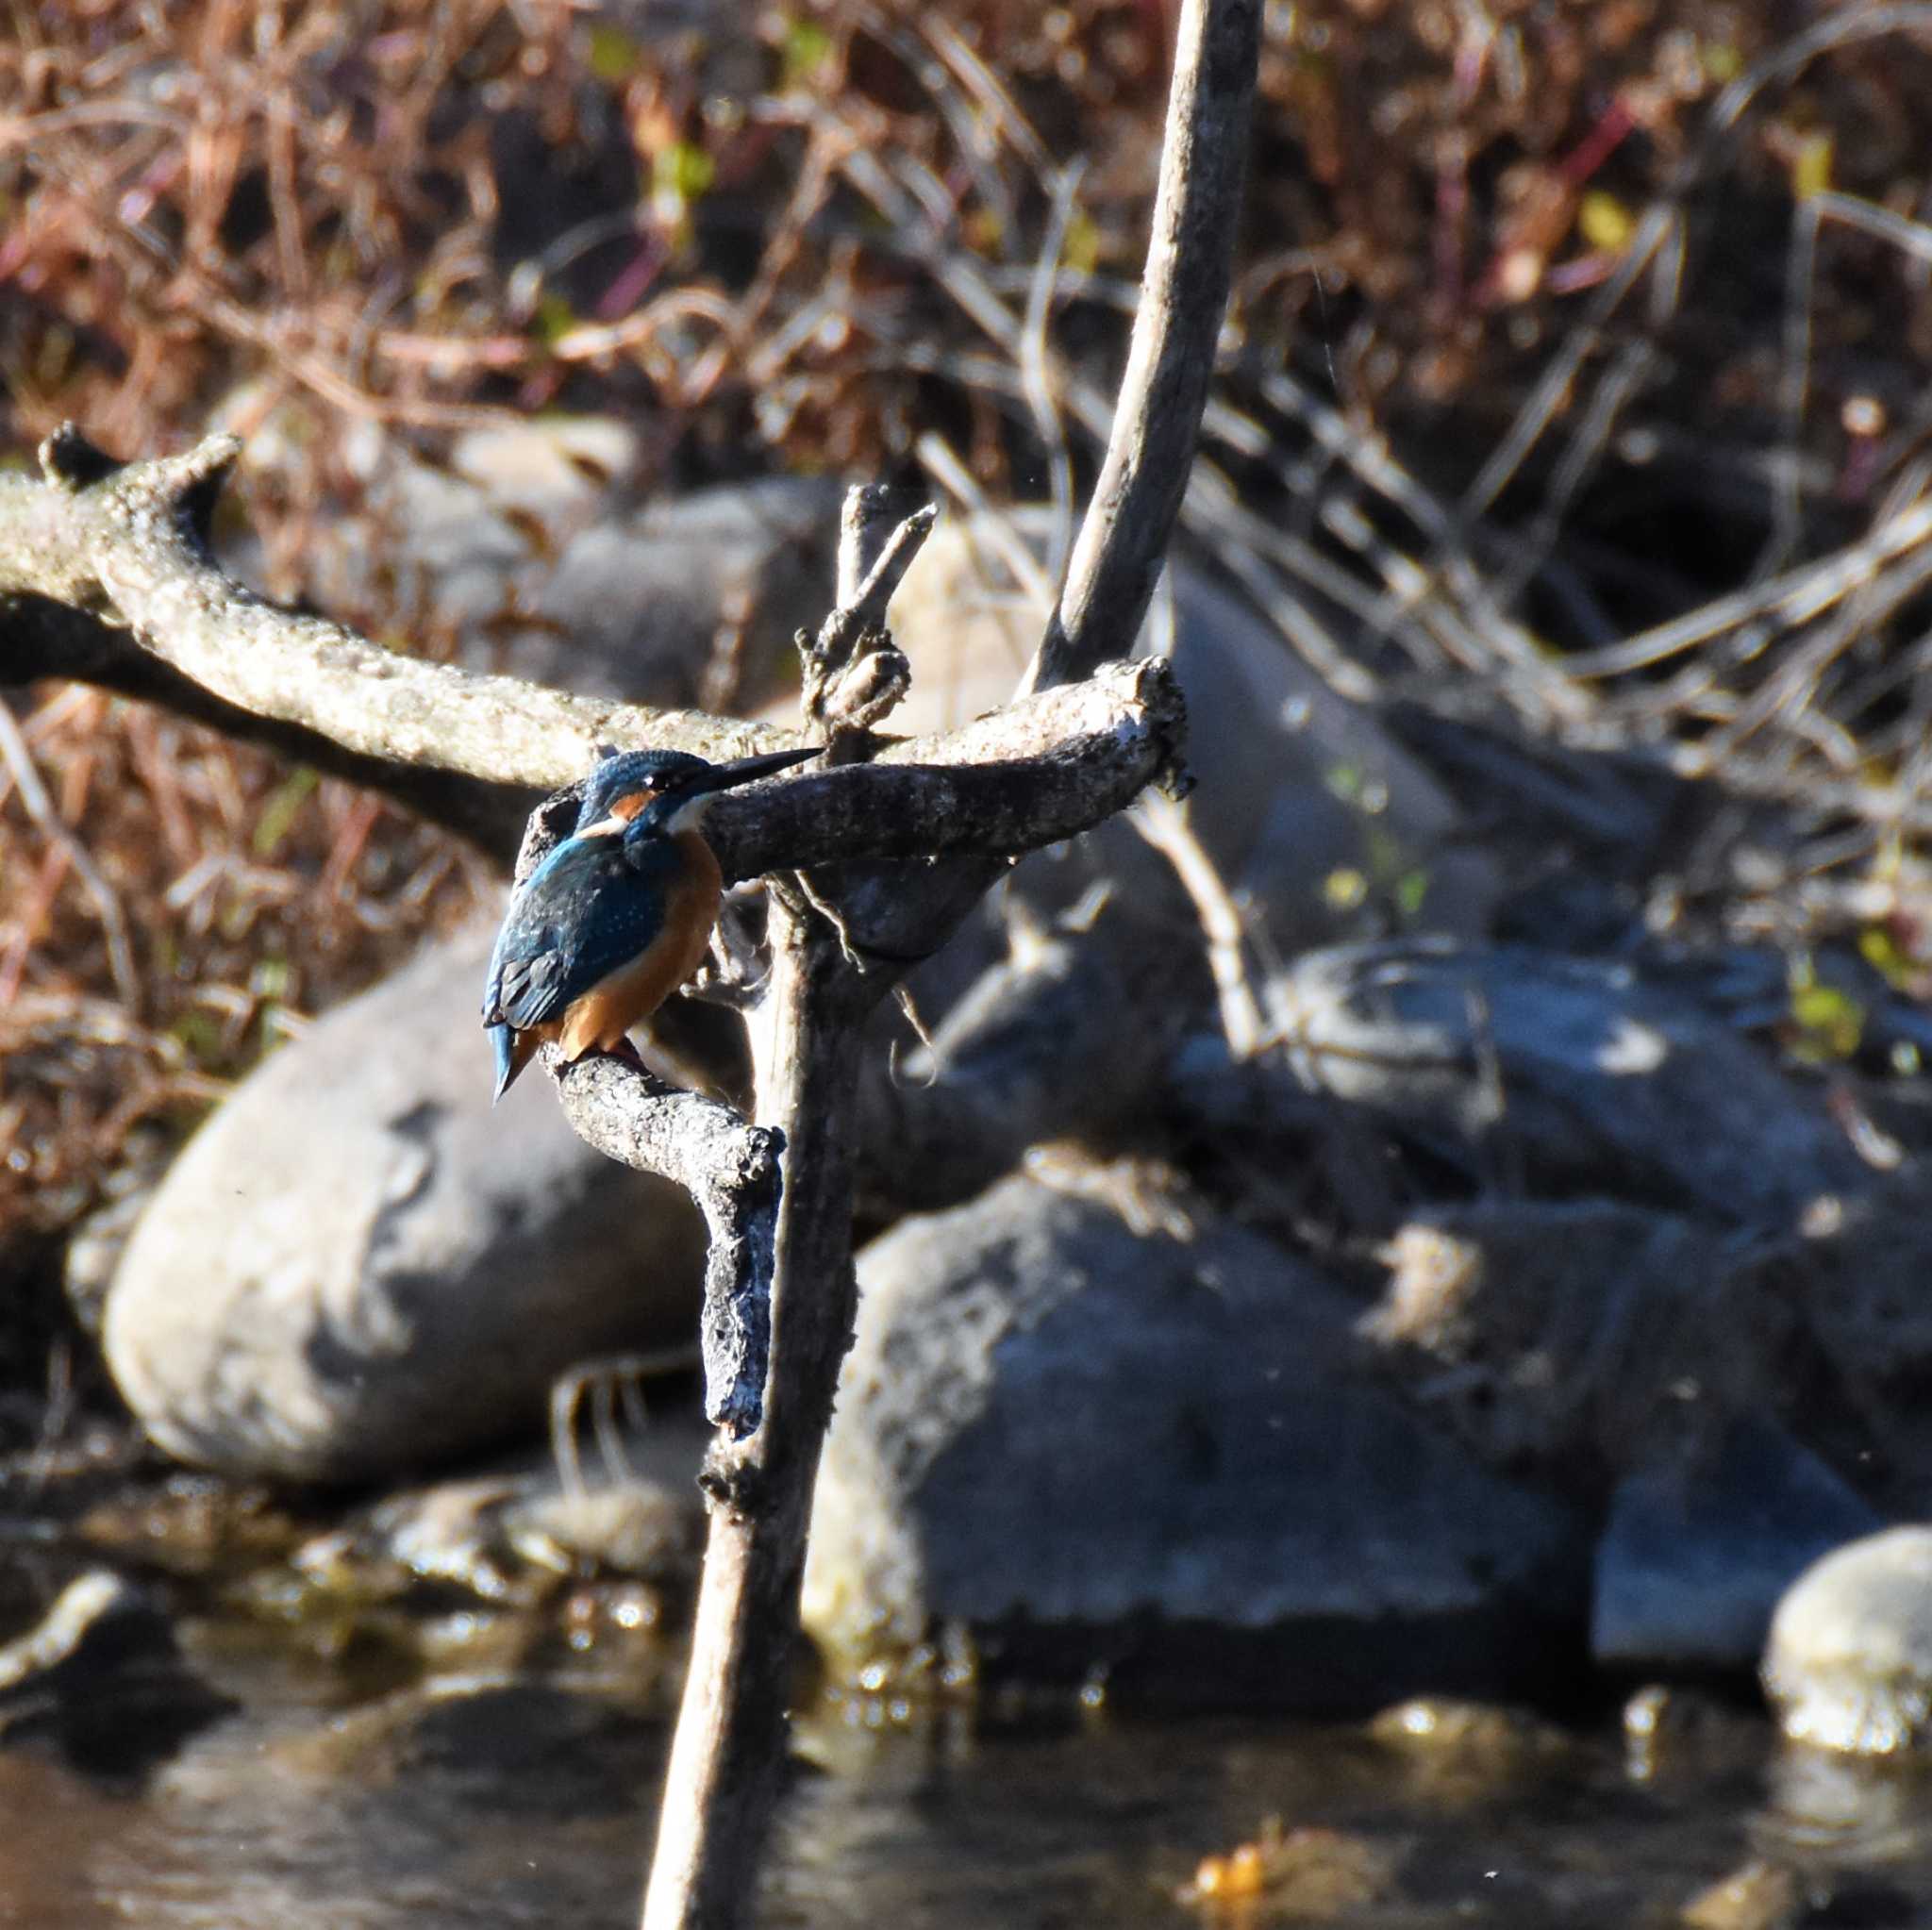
(488, 1745)
(1684, 1736)
(1545, 1072)
(102, 1674)
(358, 1266)
(1700, 1546)
(98, 1623)
(1457, 1753)
(1298, 1875)
(510, 1536)
(195, 1525)
(1849, 1662)
(1088, 1442)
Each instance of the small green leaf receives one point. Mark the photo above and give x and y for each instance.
(1605, 221)
(553, 320)
(279, 813)
(270, 979)
(1345, 889)
(806, 48)
(613, 53)
(1811, 170)
(683, 172)
(1081, 251)
(1886, 955)
(1828, 1023)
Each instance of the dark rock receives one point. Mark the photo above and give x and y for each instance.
(1091, 1444)
(940, 1122)
(1581, 1340)
(1700, 1546)
(1860, 1280)
(101, 1674)
(1849, 1662)
(358, 1266)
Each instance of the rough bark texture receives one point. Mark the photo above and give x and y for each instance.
(725, 1758)
(731, 1170)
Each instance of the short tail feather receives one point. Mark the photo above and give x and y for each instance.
(513, 1051)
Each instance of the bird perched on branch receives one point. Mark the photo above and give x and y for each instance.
(619, 915)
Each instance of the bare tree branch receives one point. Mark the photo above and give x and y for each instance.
(731, 1170)
(128, 545)
(1123, 542)
(105, 576)
(720, 1782)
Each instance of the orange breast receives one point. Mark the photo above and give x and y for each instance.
(603, 1014)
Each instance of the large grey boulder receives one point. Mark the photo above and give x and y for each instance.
(1091, 1442)
(1548, 1073)
(357, 1266)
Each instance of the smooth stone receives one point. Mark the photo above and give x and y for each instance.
(357, 1267)
(1086, 1443)
(1555, 1072)
(1700, 1546)
(640, 602)
(1849, 1662)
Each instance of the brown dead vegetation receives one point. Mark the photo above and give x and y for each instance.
(1554, 325)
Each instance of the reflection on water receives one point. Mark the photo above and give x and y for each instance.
(479, 1804)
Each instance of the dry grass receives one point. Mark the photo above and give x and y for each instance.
(1556, 328)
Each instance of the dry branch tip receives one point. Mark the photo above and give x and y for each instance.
(71, 462)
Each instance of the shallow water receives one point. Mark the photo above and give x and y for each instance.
(487, 1804)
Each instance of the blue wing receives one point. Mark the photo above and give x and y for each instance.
(583, 913)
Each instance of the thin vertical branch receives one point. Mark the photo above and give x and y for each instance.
(721, 1782)
(1123, 542)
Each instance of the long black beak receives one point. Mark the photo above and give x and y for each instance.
(748, 770)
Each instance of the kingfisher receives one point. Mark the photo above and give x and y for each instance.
(619, 915)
